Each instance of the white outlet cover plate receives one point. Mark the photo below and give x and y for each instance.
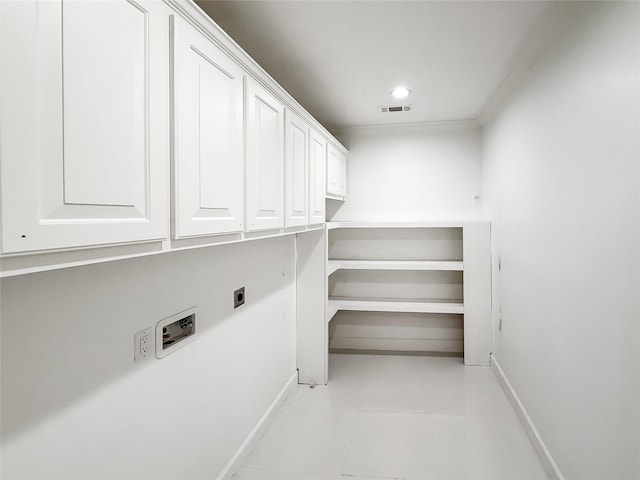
(139, 353)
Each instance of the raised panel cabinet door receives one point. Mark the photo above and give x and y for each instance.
(336, 172)
(265, 159)
(332, 170)
(208, 188)
(85, 149)
(341, 175)
(296, 166)
(317, 169)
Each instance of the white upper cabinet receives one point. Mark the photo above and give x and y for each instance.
(84, 122)
(296, 170)
(208, 136)
(265, 159)
(317, 176)
(336, 173)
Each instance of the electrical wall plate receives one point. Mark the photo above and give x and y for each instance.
(238, 297)
(143, 345)
(176, 331)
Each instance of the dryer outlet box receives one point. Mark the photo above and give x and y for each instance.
(175, 332)
(238, 297)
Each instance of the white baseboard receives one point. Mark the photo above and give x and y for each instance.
(259, 430)
(532, 432)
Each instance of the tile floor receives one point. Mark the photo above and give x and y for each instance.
(397, 417)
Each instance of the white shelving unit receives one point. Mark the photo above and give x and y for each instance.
(421, 288)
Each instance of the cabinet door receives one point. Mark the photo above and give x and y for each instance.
(332, 170)
(342, 175)
(265, 160)
(317, 169)
(208, 136)
(84, 123)
(336, 172)
(296, 170)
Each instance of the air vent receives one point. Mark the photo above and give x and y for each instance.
(395, 108)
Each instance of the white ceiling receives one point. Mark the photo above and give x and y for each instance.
(340, 59)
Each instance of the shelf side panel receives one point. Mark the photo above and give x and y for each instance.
(311, 325)
(477, 293)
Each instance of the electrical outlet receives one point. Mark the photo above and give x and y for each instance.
(238, 297)
(142, 345)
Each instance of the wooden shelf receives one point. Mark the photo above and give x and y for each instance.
(392, 305)
(429, 265)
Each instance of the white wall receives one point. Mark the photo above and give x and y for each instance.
(410, 173)
(75, 406)
(562, 182)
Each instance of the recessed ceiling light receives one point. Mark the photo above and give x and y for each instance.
(400, 92)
